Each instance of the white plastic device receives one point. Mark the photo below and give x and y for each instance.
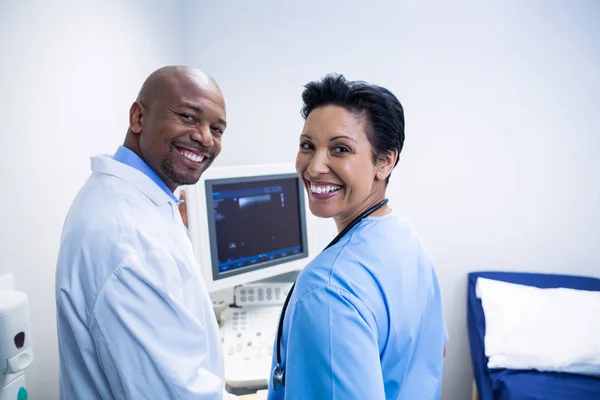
(261, 294)
(248, 335)
(16, 354)
(198, 226)
(248, 331)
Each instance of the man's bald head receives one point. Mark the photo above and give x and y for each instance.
(167, 78)
(176, 123)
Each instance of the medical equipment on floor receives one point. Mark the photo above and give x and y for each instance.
(16, 354)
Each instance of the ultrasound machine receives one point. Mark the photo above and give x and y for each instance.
(251, 234)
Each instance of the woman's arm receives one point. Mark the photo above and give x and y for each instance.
(331, 350)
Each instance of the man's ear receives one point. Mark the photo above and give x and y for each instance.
(136, 117)
(386, 165)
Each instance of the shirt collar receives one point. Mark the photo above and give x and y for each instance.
(128, 157)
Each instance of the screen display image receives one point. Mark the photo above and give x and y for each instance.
(255, 222)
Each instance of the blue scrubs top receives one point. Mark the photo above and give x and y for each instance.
(365, 320)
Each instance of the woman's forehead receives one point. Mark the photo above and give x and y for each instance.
(331, 121)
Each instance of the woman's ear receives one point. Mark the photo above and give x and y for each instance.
(386, 165)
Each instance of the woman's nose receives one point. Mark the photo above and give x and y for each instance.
(318, 164)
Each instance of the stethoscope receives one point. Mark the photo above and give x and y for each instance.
(278, 378)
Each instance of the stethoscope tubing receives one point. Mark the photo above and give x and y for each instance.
(278, 377)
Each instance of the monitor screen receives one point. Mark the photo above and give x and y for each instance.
(255, 222)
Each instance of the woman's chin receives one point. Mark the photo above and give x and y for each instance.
(321, 212)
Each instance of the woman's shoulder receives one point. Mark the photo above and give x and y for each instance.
(338, 269)
(386, 227)
(368, 257)
(386, 239)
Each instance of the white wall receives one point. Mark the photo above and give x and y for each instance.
(501, 167)
(68, 73)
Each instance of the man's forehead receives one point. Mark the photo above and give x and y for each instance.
(174, 83)
(190, 90)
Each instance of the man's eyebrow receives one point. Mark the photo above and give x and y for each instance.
(199, 110)
(191, 106)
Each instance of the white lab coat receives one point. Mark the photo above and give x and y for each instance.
(134, 317)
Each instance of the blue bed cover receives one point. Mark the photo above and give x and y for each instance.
(507, 384)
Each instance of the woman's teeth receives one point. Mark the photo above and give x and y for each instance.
(324, 189)
(191, 156)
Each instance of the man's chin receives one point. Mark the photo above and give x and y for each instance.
(186, 179)
(188, 176)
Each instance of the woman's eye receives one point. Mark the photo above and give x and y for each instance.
(305, 146)
(341, 149)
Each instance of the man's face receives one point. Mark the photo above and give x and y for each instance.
(180, 130)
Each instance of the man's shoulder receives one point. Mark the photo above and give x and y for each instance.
(103, 228)
(104, 199)
(106, 215)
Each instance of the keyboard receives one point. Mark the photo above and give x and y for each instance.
(248, 335)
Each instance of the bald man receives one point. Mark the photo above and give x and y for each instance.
(134, 317)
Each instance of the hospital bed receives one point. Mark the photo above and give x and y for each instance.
(509, 384)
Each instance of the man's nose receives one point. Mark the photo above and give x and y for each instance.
(203, 136)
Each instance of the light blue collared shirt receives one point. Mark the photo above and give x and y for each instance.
(128, 157)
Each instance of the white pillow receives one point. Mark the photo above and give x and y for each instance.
(543, 329)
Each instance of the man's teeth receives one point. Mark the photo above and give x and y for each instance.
(191, 156)
(324, 189)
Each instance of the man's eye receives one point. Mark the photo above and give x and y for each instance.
(188, 117)
(218, 130)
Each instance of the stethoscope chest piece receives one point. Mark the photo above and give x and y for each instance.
(278, 377)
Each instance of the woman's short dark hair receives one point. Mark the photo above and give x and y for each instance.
(382, 110)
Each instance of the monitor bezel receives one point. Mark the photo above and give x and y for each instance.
(209, 184)
(198, 227)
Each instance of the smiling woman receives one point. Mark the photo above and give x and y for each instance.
(369, 306)
(336, 163)
(348, 147)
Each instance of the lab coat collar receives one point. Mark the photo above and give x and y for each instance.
(127, 156)
(105, 164)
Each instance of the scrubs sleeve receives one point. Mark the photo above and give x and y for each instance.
(148, 344)
(331, 350)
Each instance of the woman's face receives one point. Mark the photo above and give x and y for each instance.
(336, 164)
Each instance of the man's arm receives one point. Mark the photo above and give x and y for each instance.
(149, 344)
(332, 350)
